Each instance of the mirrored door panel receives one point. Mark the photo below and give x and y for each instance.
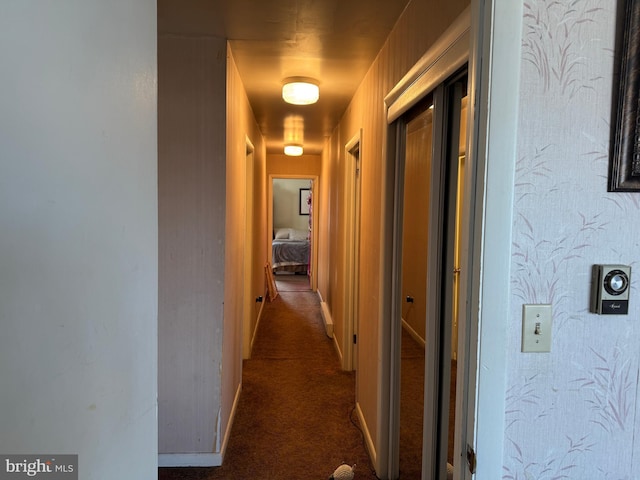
(432, 138)
(415, 243)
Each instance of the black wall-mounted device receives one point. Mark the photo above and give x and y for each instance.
(610, 285)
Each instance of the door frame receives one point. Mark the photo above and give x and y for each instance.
(352, 251)
(313, 280)
(494, 76)
(247, 268)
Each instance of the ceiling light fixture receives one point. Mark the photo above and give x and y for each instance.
(300, 91)
(293, 135)
(293, 150)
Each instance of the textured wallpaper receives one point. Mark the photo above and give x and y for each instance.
(571, 413)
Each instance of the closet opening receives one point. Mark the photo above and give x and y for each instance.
(430, 140)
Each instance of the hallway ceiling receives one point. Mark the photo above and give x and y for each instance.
(332, 41)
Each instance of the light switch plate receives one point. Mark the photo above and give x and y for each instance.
(536, 328)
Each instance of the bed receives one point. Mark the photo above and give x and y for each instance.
(290, 250)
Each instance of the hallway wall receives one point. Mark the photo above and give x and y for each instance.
(203, 232)
(192, 191)
(245, 183)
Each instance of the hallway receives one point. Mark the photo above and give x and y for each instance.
(294, 418)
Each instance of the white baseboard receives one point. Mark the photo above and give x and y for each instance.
(336, 345)
(255, 330)
(367, 436)
(413, 333)
(189, 460)
(213, 459)
(232, 416)
(326, 318)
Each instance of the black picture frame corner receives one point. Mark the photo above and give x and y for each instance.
(624, 162)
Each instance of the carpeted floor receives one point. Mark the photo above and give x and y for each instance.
(288, 282)
(411, 407)
(295, 417)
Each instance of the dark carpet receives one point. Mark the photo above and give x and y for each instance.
(295, 417)
(411, 407)
(289, 282)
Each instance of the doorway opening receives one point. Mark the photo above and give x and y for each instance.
(292, 245)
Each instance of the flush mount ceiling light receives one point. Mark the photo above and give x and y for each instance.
(293, 150)
(293, 135)
(299, 91)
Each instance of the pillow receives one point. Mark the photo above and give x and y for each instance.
(299, 235)
(281, 233)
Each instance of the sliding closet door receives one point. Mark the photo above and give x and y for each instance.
(450, 374)
(430, 159)
(418, 145)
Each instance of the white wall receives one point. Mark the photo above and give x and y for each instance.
(78, 242)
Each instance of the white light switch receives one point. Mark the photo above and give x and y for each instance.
(536, 328)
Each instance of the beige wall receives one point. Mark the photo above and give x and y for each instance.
(281, 164)
(420, 25)
(244, 227)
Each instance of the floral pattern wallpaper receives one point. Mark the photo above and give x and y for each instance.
(572, 413)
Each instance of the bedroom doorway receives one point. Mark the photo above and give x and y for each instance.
(292, 223)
